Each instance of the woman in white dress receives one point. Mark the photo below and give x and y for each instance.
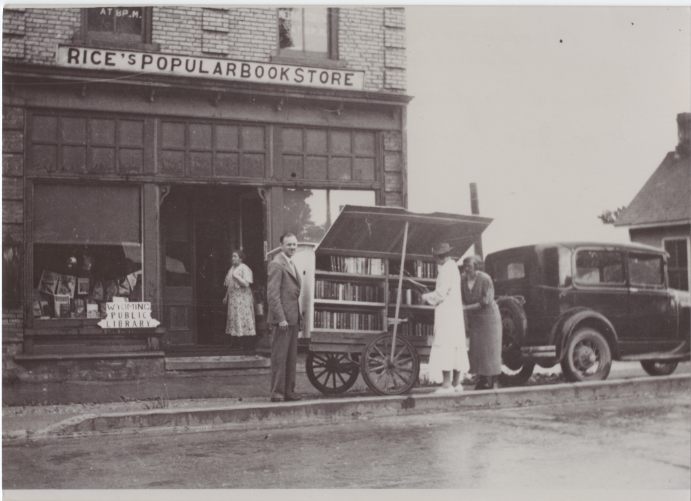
(449, 356)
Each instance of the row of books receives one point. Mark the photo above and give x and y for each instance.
(360, 265)
(425, 270)
(342, 320)
(408, 296)
(416, 329)
(323, 289)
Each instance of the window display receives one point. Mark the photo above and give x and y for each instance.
(87, 249)
(77, 281)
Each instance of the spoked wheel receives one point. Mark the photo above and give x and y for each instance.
(514, 323)
(331, 373)
(587, 357)
(385, 376)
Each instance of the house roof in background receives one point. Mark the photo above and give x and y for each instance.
(665, 198)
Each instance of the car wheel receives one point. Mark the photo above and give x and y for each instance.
(587, 357)
(513, 326)
(659, 368)
(509, 377)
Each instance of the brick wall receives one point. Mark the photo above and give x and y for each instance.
(12, 222)
(370, 39)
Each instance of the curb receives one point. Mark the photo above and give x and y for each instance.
(327, 411)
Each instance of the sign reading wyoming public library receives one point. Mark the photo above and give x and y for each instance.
(128, 316)
(209, 67)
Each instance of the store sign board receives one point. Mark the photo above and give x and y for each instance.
(209, 67)
(128, 316)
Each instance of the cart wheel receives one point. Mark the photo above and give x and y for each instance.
(386, 377)
(331, 373)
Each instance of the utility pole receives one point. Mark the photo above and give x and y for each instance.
(475, 210)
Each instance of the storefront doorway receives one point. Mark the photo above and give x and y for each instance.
(200, 227)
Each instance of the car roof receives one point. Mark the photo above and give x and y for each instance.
(585, 243)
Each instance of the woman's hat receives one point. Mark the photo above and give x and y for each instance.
(441, 248)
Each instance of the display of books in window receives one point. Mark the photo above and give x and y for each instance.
(358, 265)
(83, 286)
(61, 305)
(346, 291)
(347, 320)
(79, 308)
(49, 282)
(66, 285)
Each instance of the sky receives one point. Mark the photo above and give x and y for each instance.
(557, 113)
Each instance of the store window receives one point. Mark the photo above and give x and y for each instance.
(308, 32)
(87, 249)
(121, 24)
(309, 213)
(678, 263)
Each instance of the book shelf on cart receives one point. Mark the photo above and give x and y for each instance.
(351, 290)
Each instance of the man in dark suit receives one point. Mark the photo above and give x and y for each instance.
(283, 294)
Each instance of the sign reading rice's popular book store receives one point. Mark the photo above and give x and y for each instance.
(209, 67)
(128, 316)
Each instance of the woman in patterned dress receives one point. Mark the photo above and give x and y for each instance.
(239, 298)
(484, 324)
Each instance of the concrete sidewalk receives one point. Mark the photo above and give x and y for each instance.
(238, 413)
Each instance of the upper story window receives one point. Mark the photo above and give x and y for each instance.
(308, 32)
(117, 24)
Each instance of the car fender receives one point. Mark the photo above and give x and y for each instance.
(578, 317)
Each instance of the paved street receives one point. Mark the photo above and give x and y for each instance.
(631, 444)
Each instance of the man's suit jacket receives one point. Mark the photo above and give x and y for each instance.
(283, 292)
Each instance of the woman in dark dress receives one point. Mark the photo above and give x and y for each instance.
(484, 324)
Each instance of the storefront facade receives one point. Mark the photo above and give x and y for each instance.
(142, 145)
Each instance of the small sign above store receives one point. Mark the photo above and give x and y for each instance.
(128, 316)
(208, 67)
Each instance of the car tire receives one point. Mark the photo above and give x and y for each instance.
(659, 368)
(514, 324)
(509, 377)
(587, 356)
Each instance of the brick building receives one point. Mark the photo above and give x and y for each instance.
(142, 144)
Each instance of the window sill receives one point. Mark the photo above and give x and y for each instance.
(309, 61)
(117, 45)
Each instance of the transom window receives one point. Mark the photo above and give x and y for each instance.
(307, 31)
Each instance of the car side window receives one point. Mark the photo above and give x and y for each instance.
(646, 270)
(599, 267)
(508, 268)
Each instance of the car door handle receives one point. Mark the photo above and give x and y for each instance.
(633, 289)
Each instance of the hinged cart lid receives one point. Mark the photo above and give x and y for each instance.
(378, 232)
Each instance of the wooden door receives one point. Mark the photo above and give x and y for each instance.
(177, 263)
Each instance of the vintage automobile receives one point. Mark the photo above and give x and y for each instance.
(584, 304)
